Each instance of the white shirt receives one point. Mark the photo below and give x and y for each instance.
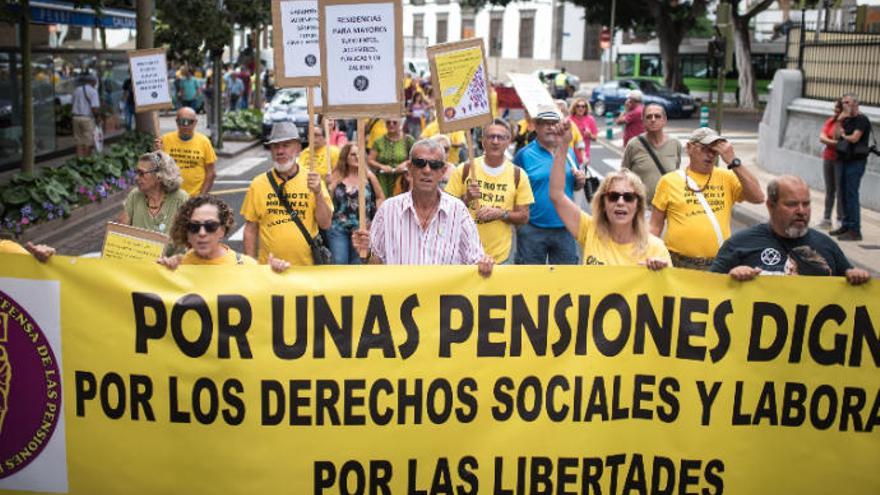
(85, 98)
(451, 237)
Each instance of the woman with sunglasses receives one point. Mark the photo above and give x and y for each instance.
(200, 227)
(343, 187)
(616, 233)
(581, 115)
(389, 158)
(153, 205)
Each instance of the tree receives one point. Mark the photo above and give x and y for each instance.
(742, 41)
(256, 15)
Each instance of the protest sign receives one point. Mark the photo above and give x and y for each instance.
(124, 242)
(637, 382)
(533, 93)
(461, 95)
(295, 42)
(149, 79)
(362, 58)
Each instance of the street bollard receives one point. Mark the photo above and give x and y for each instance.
(609, 126)
(704, 116)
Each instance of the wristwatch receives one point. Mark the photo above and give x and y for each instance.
(736, 162)
(506, 215)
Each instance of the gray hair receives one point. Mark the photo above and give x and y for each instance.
(168, 173)
(428, 144)
(853, 96)
(654, 104)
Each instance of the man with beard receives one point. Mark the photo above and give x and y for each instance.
(268, 219)
(786, 244)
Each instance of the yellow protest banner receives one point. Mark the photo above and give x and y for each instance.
(123, 242)
(534, 380)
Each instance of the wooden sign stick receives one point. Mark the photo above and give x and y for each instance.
(156, 131)
(362, 178)
(475, 204)
(310, 94)
(330, 165)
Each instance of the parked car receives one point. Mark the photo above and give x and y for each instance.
(573, 82)
(609, 97)
(288, 105)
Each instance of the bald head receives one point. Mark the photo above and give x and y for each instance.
(186, 122)
(785, 185)
(788, 202)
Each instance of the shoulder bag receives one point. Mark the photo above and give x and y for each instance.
(321, 255)
(650, 151)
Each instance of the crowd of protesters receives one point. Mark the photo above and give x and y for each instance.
(427, 203)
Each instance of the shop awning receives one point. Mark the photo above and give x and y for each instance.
(56, 12)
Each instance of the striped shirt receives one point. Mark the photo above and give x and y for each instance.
(451, 238)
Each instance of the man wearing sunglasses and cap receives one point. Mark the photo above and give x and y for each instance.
(192, 151)
(423, 226)
(696, 203)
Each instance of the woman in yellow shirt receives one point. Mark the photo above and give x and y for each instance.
(200, 226)
(616, 233)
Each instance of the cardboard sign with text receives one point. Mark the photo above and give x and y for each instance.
(149, 79)
(533, 93)
(124, 242)
(297, 54)
(458, 71)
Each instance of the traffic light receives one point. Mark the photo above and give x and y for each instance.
(605, 38)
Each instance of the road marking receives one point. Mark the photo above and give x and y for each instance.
(238, 235)
(229, 191)
(241, 166)
(614, 163)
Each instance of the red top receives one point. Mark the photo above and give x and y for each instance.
(830, 152)
(586, 123)
(633, 126)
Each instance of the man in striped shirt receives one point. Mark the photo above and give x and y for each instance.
(424, 226)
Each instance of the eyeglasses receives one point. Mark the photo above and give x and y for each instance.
(141, 173)
(615, 196)
(497, 137)
(434, 164)
(580, 105)
(186, 122)
(210, 226)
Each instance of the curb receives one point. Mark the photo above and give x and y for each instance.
(62, 227)
(232, 154)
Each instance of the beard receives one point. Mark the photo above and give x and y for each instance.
(793, 232)
(284, 167)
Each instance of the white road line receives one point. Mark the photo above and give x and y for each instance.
(241, 166)
(614, 163)
(238, 235)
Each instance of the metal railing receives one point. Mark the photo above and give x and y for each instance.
(836, 62)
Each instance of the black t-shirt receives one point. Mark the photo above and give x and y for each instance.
(860, 123)
(813, 254)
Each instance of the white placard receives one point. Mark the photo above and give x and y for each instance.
(361, 54)
(533, 93)
(149, 79)
(299, 28)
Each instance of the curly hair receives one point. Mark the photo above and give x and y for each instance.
(184, 214)
(168, 173)
(603, 225)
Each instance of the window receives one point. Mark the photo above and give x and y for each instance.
(467, 26)
(442, 28)
(418, 25)
(651, 66)
(496, 34)
(526, 33)
(626, 65)
(695, 65)
(558, 28)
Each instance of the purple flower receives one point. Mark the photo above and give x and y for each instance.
(26, 210)
(50, 216)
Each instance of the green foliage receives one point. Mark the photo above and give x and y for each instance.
(54, 192)
(248, 121)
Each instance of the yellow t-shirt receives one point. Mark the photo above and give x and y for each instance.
(229, 258)
(11, 247)
(688, 230)
(457, 139)
(278, 234)
(577, 139)
(607, 252)
(191, 157)
(378, 130)
(498, 191)
(320, 159)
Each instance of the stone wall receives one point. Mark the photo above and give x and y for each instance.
(789, 143)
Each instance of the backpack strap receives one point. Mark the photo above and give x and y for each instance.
(650, 151)
(238, 258)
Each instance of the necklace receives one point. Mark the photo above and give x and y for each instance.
(687, 182)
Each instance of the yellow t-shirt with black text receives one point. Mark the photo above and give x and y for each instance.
(458, 140)
(688, 230)
(599, 251)
(191, 157)
(279, 235)
(230, 257)
(499, 191)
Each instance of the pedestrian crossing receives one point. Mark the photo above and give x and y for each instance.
(241, 166)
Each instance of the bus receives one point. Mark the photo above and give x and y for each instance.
(644, 60)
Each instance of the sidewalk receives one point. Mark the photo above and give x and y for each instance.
(864, 254)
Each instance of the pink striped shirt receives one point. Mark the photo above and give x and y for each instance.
(451, 237)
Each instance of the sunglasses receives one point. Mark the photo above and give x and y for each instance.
(185, 122)
(434, 164)
(210, 226)
(615, 196)
(141, 173)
